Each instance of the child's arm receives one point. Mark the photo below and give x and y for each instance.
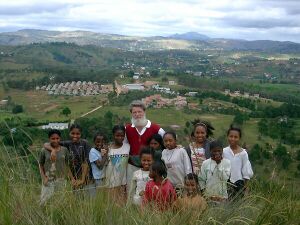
(42, 168)
(101, 162)
(85, 169)
(53, 151)
(186, 162)
(202, 177)
(43, 175)
(224, 170)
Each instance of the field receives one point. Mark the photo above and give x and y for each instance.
(41, 106)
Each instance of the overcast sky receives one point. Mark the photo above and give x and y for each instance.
(243, 19)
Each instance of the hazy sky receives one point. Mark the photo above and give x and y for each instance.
(245, 19)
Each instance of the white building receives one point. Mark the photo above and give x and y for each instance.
(131, 87)
(58, 126)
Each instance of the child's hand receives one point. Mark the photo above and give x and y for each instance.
(103, 152)
(73, 182)
(45, 180)
(141, 193)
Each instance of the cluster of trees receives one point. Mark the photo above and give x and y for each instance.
(25, 84)
(100, 124)
(280, 129)
(16, 134)
(259, 154)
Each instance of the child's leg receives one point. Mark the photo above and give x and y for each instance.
(47, 192)
(60, 187)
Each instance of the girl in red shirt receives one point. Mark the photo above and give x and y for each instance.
(159, 192)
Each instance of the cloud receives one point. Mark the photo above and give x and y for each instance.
(254, 19)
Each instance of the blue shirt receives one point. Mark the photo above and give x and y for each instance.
(93, 157)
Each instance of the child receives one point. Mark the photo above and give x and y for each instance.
(191, 199)
(140, 177)
(214, 174)
(177, 161)
(159, 192)
(241, 170)
(118, 155)
(198, 149)
(78, 156)
(157, 144)
(98, 159)
(53, 173)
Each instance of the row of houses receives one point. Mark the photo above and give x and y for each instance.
(239, 94)
(157, 101)
(80, 88)
(165, 90)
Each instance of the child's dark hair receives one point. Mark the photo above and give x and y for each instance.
(117, 128)
(75, 126)
(192, 176)
(54, 131)
(159, 167)
(99, 134)
(172, 133)
(207, 126)
(234, 128)
(158, 138)
(215, 144)
(146, 151)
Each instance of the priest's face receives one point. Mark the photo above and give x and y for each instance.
(138, 117)
(137, 113)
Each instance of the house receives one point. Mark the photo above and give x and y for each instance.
(237, 93)
(172, 82)
(3, 102)
(136, 77)
(192, 93)
(256, 95)
(227, 91)
(197, 74)
(246, 94)
(193, 105)
(121, 76)
(180, 102)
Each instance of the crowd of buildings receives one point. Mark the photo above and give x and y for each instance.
(79, 88)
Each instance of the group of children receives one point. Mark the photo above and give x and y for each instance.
(170, 175)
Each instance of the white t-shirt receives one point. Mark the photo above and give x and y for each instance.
(95, 155)
(213, 177)
(240, 165)
(198, 157)
(117, 166)
(138, 184)
(178, 165)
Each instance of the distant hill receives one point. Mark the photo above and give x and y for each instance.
(192, 36)
(186, 41)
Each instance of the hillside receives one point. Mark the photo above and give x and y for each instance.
(187, 41)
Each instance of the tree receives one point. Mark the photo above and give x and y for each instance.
(66, 111)
(255, 153)
(17, 109)
(283, 156)
(164, 79)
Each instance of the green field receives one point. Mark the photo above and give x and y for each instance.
(41, 106)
